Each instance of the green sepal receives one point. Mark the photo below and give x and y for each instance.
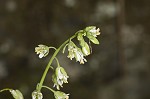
(47, 49)
(80, 36)
(89, 28)
(92, 38)
(71, 44)
(82, 43)
(80, 39)
(63, 71)
(60, 95)
(54, 79)
(86, 49)
(56, 71)
(81, 31)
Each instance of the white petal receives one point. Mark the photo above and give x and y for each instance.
(60, 75)
(60, 82)
(78, 56)
(54, 85)
(41, 55)
(93, 30)
(57, 87)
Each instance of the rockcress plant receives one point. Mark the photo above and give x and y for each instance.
(60, 75)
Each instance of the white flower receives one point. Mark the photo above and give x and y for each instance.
(71, 52)
(75, 52)
(16, 94)
(37, 95)
(56, 83)
(60, 77)
(94, 31)
(61, 95)
(79, 55)
(42, 50)
(91, 34)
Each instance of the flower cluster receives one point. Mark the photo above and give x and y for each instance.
(78, 53)
(60, 76)
(91, 33)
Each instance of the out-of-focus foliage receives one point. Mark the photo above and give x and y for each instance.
(26, 23)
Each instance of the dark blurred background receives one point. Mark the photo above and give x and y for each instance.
(118, 68)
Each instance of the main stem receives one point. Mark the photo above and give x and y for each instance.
(50, 62)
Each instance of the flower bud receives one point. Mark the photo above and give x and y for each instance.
(61, 95)
(83, 44)
(37, 95)
(16, 94)
(86, 49)
(79, 56)
(93, 30)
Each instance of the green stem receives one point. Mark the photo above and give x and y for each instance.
(58, 65)
(50, 62)
(6, 89)
(48, 88)
(53, 48)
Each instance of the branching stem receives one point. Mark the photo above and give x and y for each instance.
(48, 88)
(50, 62)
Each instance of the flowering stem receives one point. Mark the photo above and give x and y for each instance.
(48, 88)
(58, 65)
(53, 48)
(50, 62)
